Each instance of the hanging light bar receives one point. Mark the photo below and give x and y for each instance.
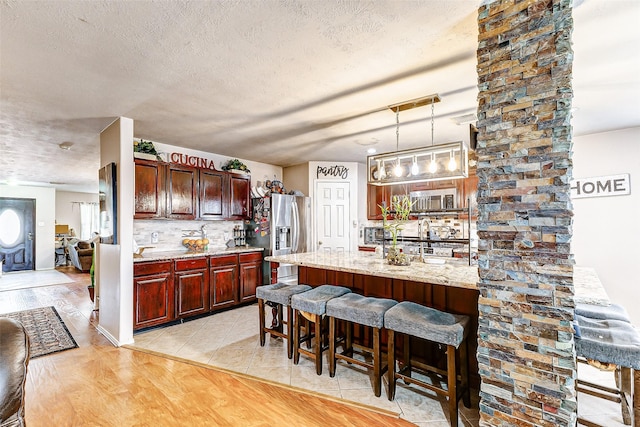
(434, 163)
(447, 161)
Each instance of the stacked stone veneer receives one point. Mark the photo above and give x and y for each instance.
(525, 340)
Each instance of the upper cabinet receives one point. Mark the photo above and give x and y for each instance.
(182, 191)
(149, 190)
(213, 201)
(240, 196)
(164, 190)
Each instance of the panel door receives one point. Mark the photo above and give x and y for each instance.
(213, 197)
(192, 289)
(224, 286)
(182, 192)
(239, 197)
(333, 217)
(250, 278)
(17, 238)
(148, 189)
(153, 300)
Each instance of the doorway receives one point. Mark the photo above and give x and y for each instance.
(333, 216)
(17, 237)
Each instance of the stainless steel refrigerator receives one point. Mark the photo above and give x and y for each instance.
(282, 226)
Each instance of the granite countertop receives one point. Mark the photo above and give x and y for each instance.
(166, 255)
(453, 272)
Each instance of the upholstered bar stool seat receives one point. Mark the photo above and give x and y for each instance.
(313, 304)
(277, 296)
(608, 338)
(448, 329)
(367, 311)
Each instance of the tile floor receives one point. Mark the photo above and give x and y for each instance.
(230, 340)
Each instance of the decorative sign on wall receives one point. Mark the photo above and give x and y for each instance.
(336, 171)
(198, 162)
(601, 186)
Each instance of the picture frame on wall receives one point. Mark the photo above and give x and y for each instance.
(107, 187)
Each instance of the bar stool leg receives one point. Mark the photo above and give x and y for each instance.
(290, 323)
(332, 347)
(296, 337)
(391, 364)
(261, 314)
(319, 343)
(377, 354)
(451, 385)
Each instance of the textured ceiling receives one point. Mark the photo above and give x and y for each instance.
(281, 82)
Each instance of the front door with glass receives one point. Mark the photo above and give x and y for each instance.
(17, 242)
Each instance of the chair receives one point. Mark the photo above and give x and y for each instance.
(367, 311)
(312, 306)
(277, 296)
(450, 330)
(81, 255)
(14, 354)
(605, 337)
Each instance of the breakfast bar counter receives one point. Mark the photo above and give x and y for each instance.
(446, 284)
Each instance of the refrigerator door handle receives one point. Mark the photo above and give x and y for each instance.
(295, 227)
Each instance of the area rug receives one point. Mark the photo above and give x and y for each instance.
(47, 332)
(32, 279)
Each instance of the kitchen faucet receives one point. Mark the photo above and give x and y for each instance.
(421, 227)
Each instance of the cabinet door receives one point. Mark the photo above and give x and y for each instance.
(250, 275)
(224, 286)
(376, 195)
(148, 189)
(192, 288)
(182, 191)
(239, 197)
(213, 198)
(153, 300)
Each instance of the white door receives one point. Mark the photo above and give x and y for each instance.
(332, 216)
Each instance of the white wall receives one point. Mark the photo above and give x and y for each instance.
(606, 229)
(68, 212)
(45, 220)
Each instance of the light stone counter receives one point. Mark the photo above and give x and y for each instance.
(168, 255)
(454, 272)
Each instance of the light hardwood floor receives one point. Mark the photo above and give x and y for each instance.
(100, 385)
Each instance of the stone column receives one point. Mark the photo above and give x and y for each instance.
(526, 351)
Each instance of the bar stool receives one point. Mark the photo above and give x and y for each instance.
(312, 306)
(367, 311)
(277, 296)
(605, 336)
(439, 327)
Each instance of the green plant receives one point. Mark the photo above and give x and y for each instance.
(395, 216)
(143, 146)
(235, 164)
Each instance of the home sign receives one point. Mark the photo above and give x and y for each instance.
(601, 186)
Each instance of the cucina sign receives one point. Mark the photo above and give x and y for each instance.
(601, 186)
(186, 160)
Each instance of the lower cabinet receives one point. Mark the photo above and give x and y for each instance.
(153, 294)
(165, 291)
(191, 280)
(223, 276)
(250, 275)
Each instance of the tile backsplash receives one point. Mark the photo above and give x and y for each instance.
(172, 232)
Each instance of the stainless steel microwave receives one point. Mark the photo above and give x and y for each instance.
(373, 235)
(433, 200)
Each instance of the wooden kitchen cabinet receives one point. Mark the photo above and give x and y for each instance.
(213, 197)
(191, 278)
(382, 196)
(239, 200)
(148, 190)
(153, 294)
(181, 192)
(223, 280)
(250, 275)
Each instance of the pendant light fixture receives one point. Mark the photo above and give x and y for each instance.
(433, 163)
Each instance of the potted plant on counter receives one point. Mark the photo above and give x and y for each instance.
(394, 218)
(236, 166)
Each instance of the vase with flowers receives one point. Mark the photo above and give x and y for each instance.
(394, 217)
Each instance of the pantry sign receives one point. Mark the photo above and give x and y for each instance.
(601, 186)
